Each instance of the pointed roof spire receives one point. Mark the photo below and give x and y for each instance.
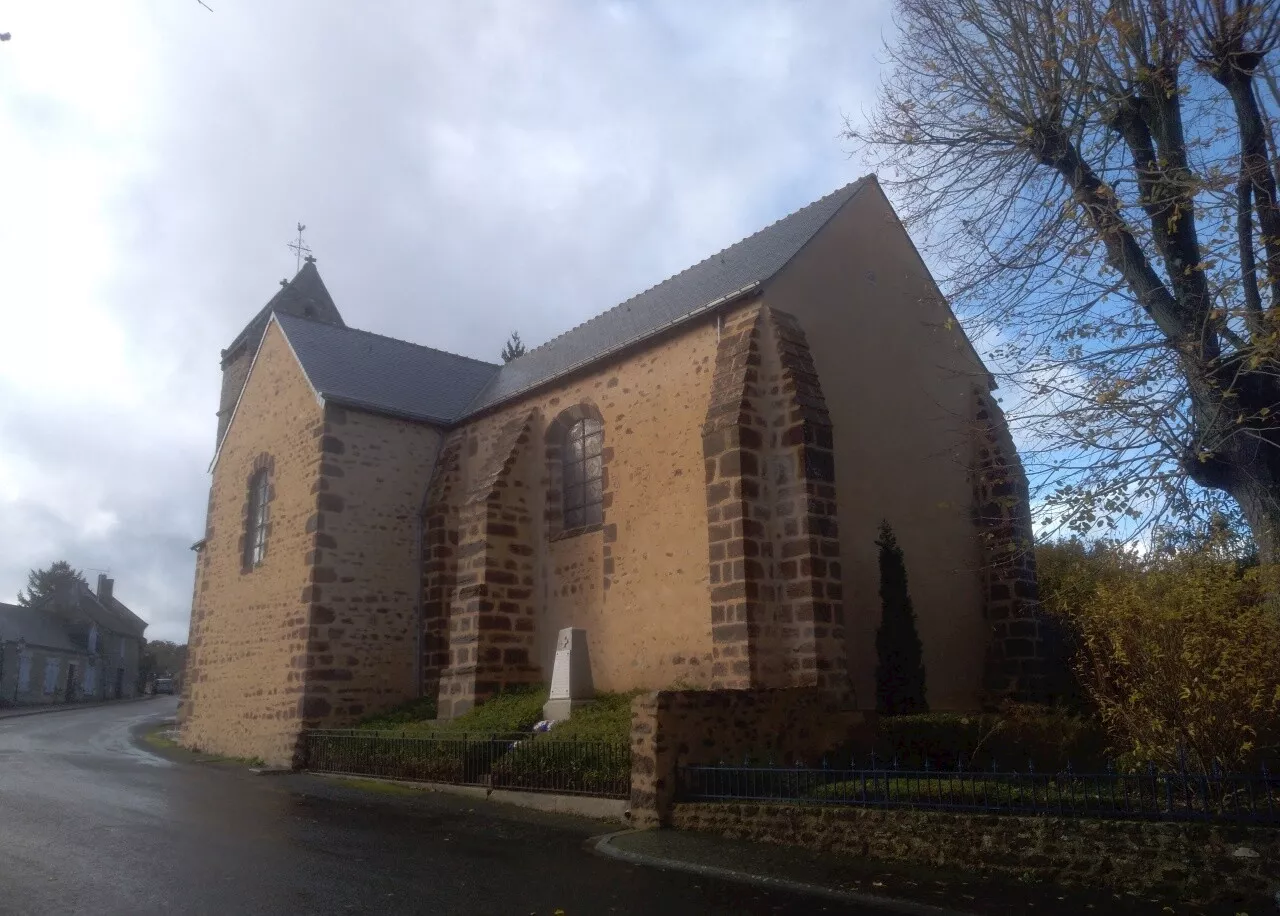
(305, 296)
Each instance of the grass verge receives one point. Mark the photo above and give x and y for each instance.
(513, 711)
(607, 719)
(161, 739)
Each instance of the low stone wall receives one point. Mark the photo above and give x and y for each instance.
(670, 728)
(1195, 862)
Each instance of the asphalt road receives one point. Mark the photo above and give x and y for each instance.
(91, 822)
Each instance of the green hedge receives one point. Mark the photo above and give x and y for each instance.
(393, 757)
(1013, 740)
(574, 766)
(608, 718)
(414, 712)
(516, 709)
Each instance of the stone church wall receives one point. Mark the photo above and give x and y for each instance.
(363, 594)
(1018, 660)
(249, 628)
(673, 728)
(637, 582)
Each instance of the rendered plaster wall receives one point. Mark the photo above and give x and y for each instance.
(898, 378)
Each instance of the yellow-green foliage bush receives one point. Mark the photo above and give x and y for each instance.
(1180, 651)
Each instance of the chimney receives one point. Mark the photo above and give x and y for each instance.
(104, 587)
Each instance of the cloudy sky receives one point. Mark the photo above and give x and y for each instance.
(464, 169)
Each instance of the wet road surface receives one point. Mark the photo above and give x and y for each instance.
(92, 823)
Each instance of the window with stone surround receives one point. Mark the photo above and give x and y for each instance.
(255, 544)
(582, 470)
(577, 469)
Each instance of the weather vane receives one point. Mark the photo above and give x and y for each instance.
(300, 248)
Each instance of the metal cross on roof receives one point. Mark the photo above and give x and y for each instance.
(300, 248)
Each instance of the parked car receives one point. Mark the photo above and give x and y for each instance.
(164, 685)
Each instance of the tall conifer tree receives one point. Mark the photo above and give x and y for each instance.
(43, 582)
(900, 681)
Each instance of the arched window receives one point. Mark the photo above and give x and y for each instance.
(583, 473)
(255, 541)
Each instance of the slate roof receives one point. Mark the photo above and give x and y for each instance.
(37, 626)
(369, 371)
(306, 288)
(112, 614)
(753, 260)
(385, 375)
(119, 618)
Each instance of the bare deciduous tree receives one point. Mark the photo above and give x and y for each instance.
(1096, 179)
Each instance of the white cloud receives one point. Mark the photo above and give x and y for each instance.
(464, 170)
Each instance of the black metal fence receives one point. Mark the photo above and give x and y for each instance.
(1148, 794)
(516, 761)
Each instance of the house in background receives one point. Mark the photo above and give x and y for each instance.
(75, 645)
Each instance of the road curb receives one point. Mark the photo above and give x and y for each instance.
(603, 846)
(598, 809)
(69, 707)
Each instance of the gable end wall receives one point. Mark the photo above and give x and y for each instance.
(898, 378)
(249, 630)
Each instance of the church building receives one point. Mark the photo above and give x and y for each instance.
(695, 477)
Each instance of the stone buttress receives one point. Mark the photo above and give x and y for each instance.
(777, 614)
(489, 578)
(1015, 665)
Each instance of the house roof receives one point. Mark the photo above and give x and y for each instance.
(305, 290)
(132, 622)
(35, 625)
(383, 374)
(737, 268)
(112, 614)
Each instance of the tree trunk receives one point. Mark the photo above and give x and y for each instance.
(1240, 414)
(1255, 486)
